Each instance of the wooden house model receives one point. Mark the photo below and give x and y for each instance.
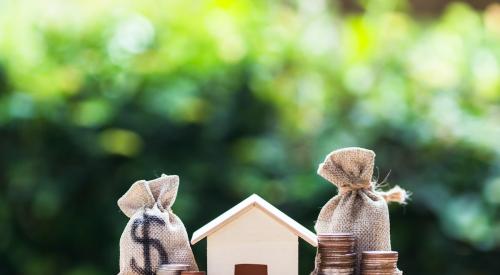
(253, 237)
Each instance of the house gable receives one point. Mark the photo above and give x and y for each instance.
(240, 209)
(253, 226)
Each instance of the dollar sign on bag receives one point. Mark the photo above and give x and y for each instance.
(147, 243)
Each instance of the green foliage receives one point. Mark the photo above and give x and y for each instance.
(241, 97)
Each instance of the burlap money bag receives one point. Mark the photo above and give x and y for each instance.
(154, 235)
(358, 208)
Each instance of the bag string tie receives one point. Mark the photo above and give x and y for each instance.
(395, 194)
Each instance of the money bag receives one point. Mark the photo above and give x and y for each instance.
(358, 208)
(154, 235)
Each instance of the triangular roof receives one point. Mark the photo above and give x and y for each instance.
(244, 206)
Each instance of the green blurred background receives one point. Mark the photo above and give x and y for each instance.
(240, 97)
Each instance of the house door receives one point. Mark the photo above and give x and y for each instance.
(250, 269)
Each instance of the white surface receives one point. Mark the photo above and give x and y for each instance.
(251, 202)
(253, 238)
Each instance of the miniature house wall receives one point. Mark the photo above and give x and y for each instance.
(253, 232)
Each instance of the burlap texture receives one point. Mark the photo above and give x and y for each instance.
(358, 208)
(154, 235)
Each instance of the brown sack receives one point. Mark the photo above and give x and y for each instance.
(154, 235)
(358, 208)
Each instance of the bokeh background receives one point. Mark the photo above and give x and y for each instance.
(242, 97)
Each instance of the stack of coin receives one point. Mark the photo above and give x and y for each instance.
(171, 269)
(193, 273)
(336, 254)
(379, 262)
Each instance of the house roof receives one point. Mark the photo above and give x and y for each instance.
(246, 205)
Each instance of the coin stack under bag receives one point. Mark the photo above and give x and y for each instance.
(171, 269)
(379, 263)
(336, 254)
